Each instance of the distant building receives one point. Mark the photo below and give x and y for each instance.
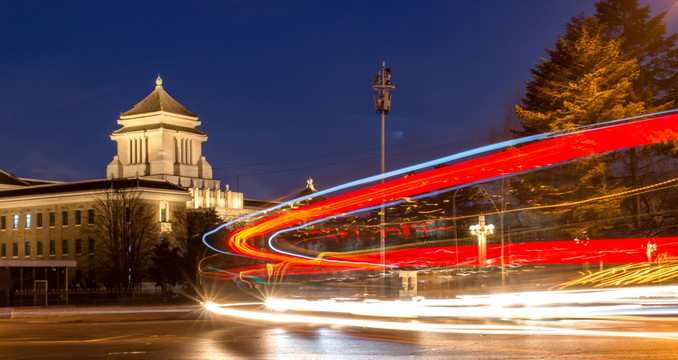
(159, 139)
(44, 237)
(308, 195)
(44, 229)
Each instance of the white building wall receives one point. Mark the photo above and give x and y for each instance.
(170, 149)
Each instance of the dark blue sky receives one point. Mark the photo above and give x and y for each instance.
(282, 87)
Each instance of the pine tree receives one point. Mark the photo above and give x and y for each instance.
(586, 80)
(644, 38)
(188, 233)
(165, 270)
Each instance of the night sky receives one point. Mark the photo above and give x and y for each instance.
(282, 87)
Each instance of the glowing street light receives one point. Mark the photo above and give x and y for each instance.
(382, 104)
(482, 230)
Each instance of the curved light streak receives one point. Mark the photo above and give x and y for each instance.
(399, 201)
(543, 153)
(627, 193)
(453, 157)
(608, 251)
(301, 256)
(556, 148)
(623, 275)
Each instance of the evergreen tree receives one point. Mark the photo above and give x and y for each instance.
(188, 233)
(586, 80)
(165, 269)
(644, 38)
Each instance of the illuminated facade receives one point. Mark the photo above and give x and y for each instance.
(45, 237)
(159, 139)
(45, 228)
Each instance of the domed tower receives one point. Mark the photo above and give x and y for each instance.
(159, 139)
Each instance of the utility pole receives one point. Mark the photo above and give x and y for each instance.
(382, 104)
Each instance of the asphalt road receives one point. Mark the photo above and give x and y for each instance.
(208, 338)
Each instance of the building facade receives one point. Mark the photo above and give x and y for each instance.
(46, 230)
(46, 239)
(159, 139)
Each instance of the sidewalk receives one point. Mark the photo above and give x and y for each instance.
(102, 313)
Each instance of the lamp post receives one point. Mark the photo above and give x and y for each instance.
(382, 104)
(501, 225)
(454, 225)
(482, 230)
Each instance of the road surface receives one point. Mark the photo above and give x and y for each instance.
(204, 337)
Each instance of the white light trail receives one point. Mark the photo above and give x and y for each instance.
(435, 315)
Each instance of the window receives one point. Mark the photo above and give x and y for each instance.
(15, 221)
(39, 220)
(52, 218)
(3, 223)
(64, 247)
(77, 217)
(3, 250)
(38, 248)
(163, 211)
(91, 246)
(27, 249)
(90, 216)
(52, 247)
(28, 221)
(15, 249)
(78, 246)
(64, 218)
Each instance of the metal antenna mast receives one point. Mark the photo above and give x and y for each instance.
(382, 104)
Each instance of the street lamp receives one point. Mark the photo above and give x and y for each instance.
(454, 225)
(482, 230)
(382, 104)
(501, 220)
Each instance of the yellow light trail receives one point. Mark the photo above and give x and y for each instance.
(629, 274)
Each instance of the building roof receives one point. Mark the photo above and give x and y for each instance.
(259, 204)
(155, 126)
(9, 179)
(309, 192)
(90, 185)
(39, 181)
(158, 100)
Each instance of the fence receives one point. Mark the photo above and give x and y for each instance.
(98, 297)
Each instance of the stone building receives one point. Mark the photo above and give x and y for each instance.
(45, 237)
(45, 242)
(159, 139)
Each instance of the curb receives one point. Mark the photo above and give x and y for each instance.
(103, 313)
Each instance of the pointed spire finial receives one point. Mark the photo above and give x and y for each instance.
(158, 82)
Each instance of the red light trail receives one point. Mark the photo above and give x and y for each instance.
(517, 160)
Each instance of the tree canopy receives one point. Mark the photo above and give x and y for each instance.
(616, 64)
(127, 230)
(643, 38)
(586, 80)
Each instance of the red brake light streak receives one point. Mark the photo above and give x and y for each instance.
(524, 158)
